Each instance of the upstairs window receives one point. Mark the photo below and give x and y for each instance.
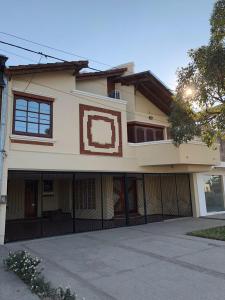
(32, 115)
(138, 133)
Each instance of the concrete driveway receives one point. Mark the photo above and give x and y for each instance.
(154, 261)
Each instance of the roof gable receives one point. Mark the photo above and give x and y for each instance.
(151, 87)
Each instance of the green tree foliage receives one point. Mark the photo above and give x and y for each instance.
(199, 102)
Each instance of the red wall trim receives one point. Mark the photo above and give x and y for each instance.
(84, 108)
(33, 96)
(98, 145)
(31, 142)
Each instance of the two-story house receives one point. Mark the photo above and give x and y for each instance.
(87, 151)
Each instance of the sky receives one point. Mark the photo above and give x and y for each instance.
(154, 34)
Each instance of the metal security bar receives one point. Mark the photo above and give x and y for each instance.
(42, 204)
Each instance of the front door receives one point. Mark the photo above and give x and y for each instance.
(132, 194)
(31, 196)
(119, 196)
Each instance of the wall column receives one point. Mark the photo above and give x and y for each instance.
(194, 195)
(3, 166)
(3, 203)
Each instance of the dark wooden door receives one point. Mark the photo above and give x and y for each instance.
(119, 196)
(31, 198)
(132, 195)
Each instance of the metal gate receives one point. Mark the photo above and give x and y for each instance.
(42, 204)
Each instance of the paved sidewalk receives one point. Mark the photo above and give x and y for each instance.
(154, 261)
(216, 216)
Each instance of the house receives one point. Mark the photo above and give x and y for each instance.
(87, 151)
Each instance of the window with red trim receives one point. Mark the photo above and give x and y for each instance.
(144, 133)
(32, 116)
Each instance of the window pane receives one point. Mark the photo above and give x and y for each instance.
(130, 134)
(45, 108)
(33, 106)
(140, 134)
(44, 129)
(44, 119)
(159, 134)
(21, 104)
(32, 128)
(32, 117)
(48, 186)
(149, 135)
(20, 126)
(21, 115)
(214, 193)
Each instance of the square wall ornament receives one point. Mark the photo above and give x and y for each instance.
(100, 131)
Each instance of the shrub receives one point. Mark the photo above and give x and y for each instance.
(27, 269)
(23, 265)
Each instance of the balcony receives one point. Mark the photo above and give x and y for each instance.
(159, 153)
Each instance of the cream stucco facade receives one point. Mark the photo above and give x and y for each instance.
(62, 152)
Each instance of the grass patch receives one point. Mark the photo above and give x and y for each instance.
(215, 233)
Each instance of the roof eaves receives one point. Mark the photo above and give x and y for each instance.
(37, 68)
(142, 77)
(101, 74)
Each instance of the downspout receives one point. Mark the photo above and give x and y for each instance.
(3, 120)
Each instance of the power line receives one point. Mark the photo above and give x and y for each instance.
(33, 51)
(145, 115)
(32, 76)
(41, 53)
(55, 49)
(106, 105)
(21, 56)
(46, 56)
(71, 53)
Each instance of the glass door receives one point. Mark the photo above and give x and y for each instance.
(214, 197)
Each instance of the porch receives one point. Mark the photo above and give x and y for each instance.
(42, 204)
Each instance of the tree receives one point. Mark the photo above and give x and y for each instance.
(199, 102)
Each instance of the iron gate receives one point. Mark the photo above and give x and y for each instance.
(79, 202)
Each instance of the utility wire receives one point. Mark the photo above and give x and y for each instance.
(55, 49)
(63, 51)
(145, 115)
(70, 53)
(93, 101)
(15, 54)
(32, 76)
(32, 51)
(41, 53)
(100, 84)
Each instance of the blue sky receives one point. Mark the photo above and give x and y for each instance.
(155, 34)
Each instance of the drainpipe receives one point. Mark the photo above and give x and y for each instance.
(3, 120)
